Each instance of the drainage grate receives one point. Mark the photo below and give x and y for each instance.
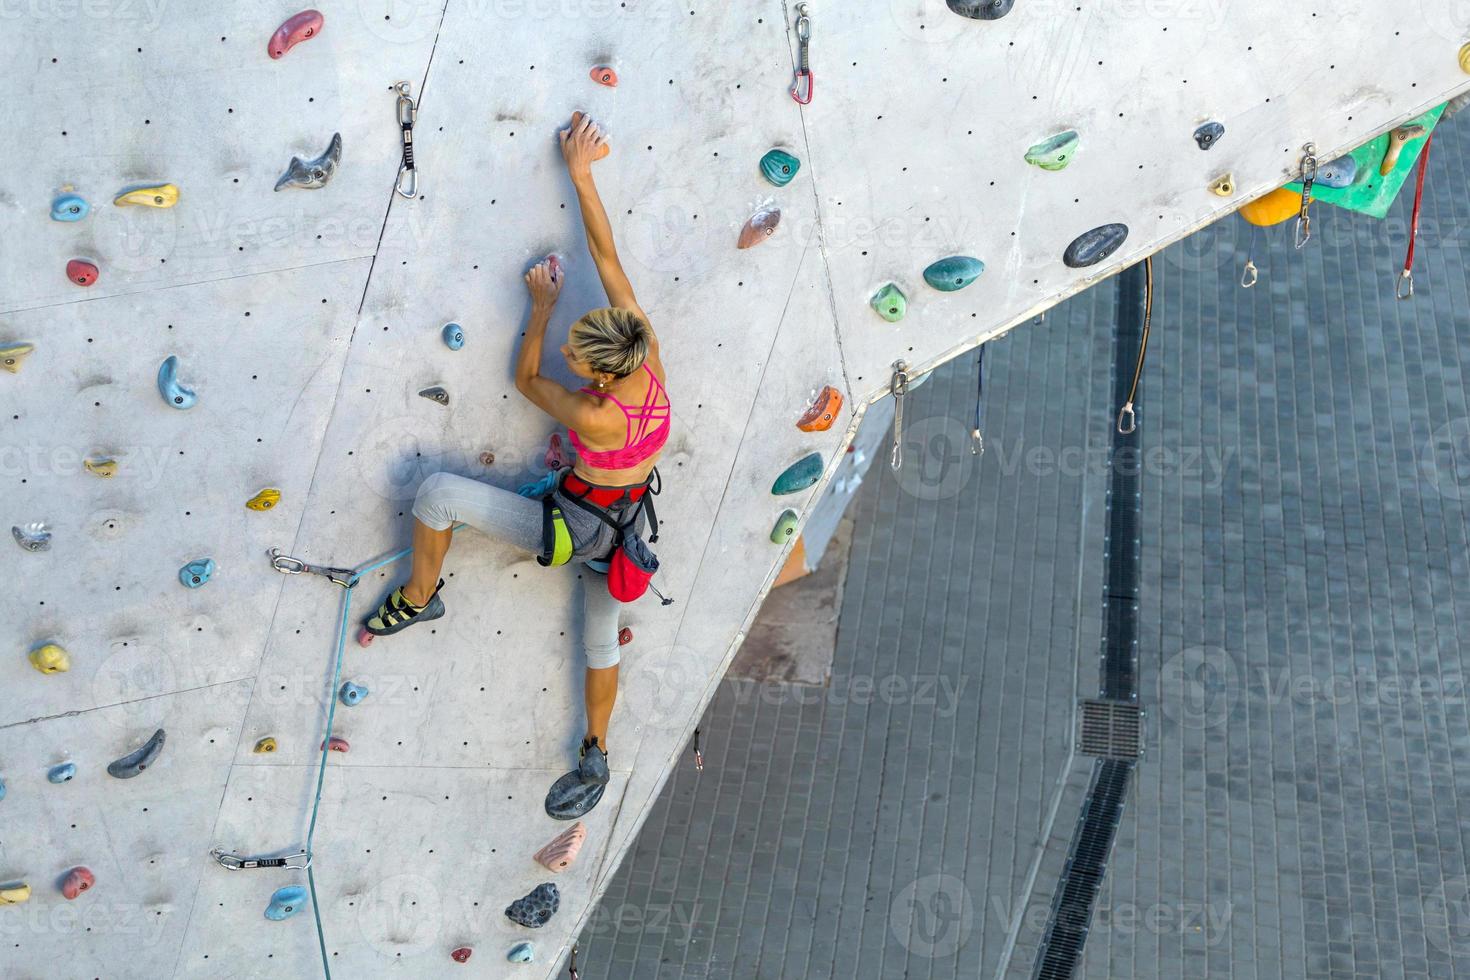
(1109, 729)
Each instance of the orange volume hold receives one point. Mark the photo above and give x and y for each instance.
(823, 413)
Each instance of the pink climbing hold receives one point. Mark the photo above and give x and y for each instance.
(461, 955)
(78, 880)
(81, 272)
(563, 850)
(336, 744)
(603, 75)
(625, 636)
(556, 453)
(297, 28)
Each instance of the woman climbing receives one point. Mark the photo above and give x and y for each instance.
(618, 425)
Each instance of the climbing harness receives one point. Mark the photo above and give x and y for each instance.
(1404, 288)
(801, 88)
(1309, 177)
(300, 861)
(1127, 419)
(977, 441)
(900, 388)
(407, 112)
(698, 755)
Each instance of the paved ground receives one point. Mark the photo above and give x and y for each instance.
(1306, 601)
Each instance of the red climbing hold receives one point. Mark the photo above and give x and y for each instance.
(625, 636)
(461, 955)
(823, 413)
(336, 744)
(603, 75)
(297, 28)
(81, 272)
(78, 880)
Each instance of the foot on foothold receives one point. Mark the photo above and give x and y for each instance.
(571, 799)
(593, 763)
(397, 613)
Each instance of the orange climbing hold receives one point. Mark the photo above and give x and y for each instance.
(823, 413)
(1278, 206)
(77, 880)
(563, 850)
(603, 75)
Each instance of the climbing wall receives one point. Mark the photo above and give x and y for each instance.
(306, 321)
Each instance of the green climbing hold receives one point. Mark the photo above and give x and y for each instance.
(801, 474)
(891, 303)
(779, 167)
(785, 528)
(955, 272)
(1054, 153)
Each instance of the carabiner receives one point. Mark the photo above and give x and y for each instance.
(407, 113)
(1249, 276)
(698, 755)
(801, 88)
(900, 388)
(287, 565)
(1404, 288)
(1309, 176)
(977, 443)
(572, 973)
(1127, 428)
(299, 861)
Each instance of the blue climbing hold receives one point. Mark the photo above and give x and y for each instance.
(1339, 173)
(62, 773)
(453, 336)
(1091, 247)
(136, 761)
(352, 694)
(286, 902)
(522, 953)
(69, 207)
(2, 787)
(197, 572)
(955, 272)
(174, 393)
(1208, 134)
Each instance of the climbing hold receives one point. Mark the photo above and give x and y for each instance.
(522, 953)
(1396, 142)
(823, 413)
(1053, 153)
(779, 167)
(1465, 58)
(487, 459)
(954, 272)
(762, 225)
(286, 902)
(2, 788)
(153, 196)
(537, 908)
(139, 759)
(35, 536)
(890, 302)
(105, 467)
(1091, 247)
(352, 694)
(77, 880)
(294, 30)
(625, 636)
(1273, 208)
(265, 746)
(169, 387)
(336, 744)
(311, 174)
(50, 659)
(801, 474)
(570, 798)
(435, 394)
(785, 528)
(1223, 185)
(15, 893)
(197, 572)
(461, 955)
(604, 75)
(81, 272)
(1209, 134)
(453, 336)
(62, 773)
(12, 357)
(556, 457)
(558, 855)
(1338, 173)
(69, 207)
(264, 500)
(981, 9)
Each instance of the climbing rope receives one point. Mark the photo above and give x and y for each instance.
(977, 441)
(1127, 418)
(1404, 289)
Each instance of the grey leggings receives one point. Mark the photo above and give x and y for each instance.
(445, 500)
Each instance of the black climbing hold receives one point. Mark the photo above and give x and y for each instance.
(1091, 247)
(537, 908)
(1209, 134)
(135, 762)
(570, 798)
(981, 9)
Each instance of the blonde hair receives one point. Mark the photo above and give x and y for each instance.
(612, 340)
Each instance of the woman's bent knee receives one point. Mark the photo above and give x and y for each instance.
(432, 506)
(602, 656)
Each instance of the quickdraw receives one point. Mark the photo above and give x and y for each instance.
(1309, 177)
(572, 973)
(801, 88)
(1127, 418)
(300, 861)
(1404, 288)
(408, 177)
(287, 565)
(977, 441)
(698, 755)
(900, 387)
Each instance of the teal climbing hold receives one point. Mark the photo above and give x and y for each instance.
(453, 336)
(69, 207)
(138, 760)
(954, 272)
(62, 773)
(801, 474)
(785, 528)
(286, 902)
(891, 303)
(352, 694)
(174, 393)
(779, 167)
(522, 953)
(1054, 153)
(197, 572)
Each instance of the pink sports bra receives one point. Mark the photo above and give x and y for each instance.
(641, 443)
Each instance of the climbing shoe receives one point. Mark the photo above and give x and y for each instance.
(570, 798)
(593, 763)
(398, 613)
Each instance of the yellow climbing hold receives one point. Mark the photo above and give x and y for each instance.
(15, 894)
(51, 659)
(1224, 185)
(265, 746)
(264, 500)
(1465, 59)
(13, 356)
(160, 196)
(104, 467)
(1276, 207)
